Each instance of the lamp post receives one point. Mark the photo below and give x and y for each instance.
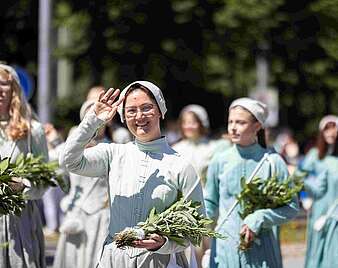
(44, 61)
(263, 92)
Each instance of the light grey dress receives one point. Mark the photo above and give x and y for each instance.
(24, 233)
(141, 176)
(85, 225)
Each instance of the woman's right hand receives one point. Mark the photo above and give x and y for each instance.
(105, 108)
(16, 184)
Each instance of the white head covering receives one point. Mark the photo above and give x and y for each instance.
(84, 108)
(258, 109)
(12, 71)
(155, 90)
(200, 112)
(328, 119)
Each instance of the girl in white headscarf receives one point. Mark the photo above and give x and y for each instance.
(321, 163)
(197, 148)
(246, 129)
(195, 145)
(21, 237)
(142, 174)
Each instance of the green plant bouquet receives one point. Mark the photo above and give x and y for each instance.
(265, 194)
(29, 169)
(11, 202)
(180, 222)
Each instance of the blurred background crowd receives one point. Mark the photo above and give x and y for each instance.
(203, 54)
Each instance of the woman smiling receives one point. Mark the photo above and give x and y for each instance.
(142, 174)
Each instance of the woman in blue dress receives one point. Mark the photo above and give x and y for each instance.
(245, 126)
(322, 165)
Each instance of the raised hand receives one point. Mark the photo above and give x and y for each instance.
(105, 107)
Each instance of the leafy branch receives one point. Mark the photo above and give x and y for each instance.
(264, 194)
(180, 222)
(30, 169)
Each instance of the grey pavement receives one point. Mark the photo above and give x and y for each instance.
(293, 254)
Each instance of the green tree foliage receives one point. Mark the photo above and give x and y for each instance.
(195, 49)
(18, 33)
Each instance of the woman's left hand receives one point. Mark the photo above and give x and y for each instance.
(153, 242)
(248, 235)
(105, 107)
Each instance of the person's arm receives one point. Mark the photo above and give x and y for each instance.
(267, 218)
(90, 162)
(93, 161)
(212, 189)
(316, 186)
(39, 148)
(309, 161)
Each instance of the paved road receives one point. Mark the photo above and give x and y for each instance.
(293, 254)
(293, 262)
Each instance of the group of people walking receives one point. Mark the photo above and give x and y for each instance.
(115, 185)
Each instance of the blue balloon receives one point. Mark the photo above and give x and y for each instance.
(26, 82)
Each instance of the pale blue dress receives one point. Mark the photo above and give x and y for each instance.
(141, 175)
(223, 183)
(322, 246)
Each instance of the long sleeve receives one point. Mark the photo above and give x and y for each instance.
(316, 181)
(55, 152)
(39, 148)
(309, 161)
(191, 188)
(91, 162)
(212, 189)
(317, 186)
(267, 218)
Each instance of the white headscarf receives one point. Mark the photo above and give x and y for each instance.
(12, 71)
(155, 90)
(199, 111)
(328, 119)
(258, 109)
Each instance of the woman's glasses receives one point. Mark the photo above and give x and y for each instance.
(145, 109)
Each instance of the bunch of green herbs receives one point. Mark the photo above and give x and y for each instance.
(270, 193)
(180, 222)
(11, 202)
(31, 168)
(264, 194)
